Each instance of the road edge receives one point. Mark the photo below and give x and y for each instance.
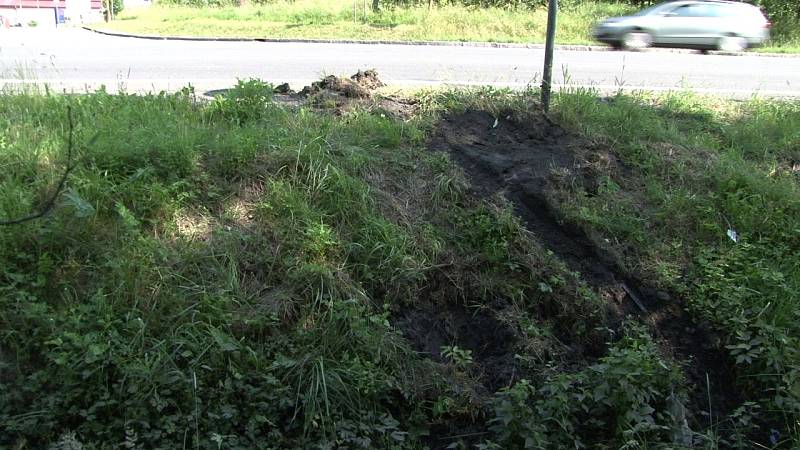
(567, 47)
(340, 41)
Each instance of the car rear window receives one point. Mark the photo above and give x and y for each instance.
(740, 10)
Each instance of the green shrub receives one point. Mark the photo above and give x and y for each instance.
(750, 291)
(246, 102)
(625, 398)
(725, 168)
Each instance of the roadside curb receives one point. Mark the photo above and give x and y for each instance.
(343, 41)
(567, 47)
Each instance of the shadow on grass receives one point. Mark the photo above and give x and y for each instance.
(383, 26)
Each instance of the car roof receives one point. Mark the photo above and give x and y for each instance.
(727, 2)
(672, 3)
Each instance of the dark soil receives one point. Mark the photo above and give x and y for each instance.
(357, 86)
(499, 154)
(520, 160)
(430, 327)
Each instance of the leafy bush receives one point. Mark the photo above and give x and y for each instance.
(117, 5)
(473, 3)
(751, 291)
(780, 9)
(625, 398)
(200, 3)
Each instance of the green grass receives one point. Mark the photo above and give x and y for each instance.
(333, 19)
(701, 166)
(225, 274)
(235, 273)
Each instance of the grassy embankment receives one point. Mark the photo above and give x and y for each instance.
(709, 208)
(240, 274)
(333, 19)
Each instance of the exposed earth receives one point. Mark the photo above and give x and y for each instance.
(531, 162)
(528, 160)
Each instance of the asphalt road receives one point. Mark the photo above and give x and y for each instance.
(76, 59)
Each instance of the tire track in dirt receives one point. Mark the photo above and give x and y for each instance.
(500, 154)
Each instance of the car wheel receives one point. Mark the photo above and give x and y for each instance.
(732, 43)
(634, 40)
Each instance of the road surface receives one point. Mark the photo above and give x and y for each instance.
(77, 60)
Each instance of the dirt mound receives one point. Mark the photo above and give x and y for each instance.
(368, 79)
(522, 160)
(340, 95)
(343, 86)
(357, 86)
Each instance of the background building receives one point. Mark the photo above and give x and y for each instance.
(49, 13)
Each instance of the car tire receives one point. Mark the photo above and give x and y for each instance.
(637, 39)
(731, 44)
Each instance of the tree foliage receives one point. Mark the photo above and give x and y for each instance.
(777, 9)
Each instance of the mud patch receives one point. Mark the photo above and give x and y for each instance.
(503, 155)
(431, 328)
(522, 160)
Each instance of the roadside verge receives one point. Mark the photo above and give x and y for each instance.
(567, 47)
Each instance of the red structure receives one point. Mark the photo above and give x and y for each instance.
(95, 4)
(49, 12)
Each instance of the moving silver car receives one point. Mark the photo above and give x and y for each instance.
(699, 24)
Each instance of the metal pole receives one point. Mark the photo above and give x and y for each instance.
(547, 78)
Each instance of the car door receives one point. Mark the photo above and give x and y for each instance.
(688, 24)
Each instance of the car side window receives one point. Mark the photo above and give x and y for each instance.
(713, 11)
(694, 11)
(681, 11)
